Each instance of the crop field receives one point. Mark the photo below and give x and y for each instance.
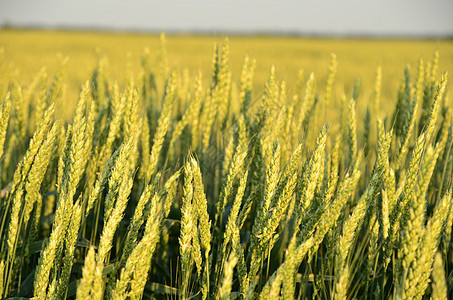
(137, 166)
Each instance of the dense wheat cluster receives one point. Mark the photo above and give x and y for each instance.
(172, 186)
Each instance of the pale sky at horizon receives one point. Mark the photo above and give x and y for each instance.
(385, 17)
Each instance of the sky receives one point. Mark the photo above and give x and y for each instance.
(327, 17)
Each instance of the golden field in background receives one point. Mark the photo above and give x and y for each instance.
(27, 51)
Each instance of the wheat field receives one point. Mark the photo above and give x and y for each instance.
(212, 176)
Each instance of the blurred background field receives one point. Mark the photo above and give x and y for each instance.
(26, 52)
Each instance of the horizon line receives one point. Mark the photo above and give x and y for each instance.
(206, 32)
